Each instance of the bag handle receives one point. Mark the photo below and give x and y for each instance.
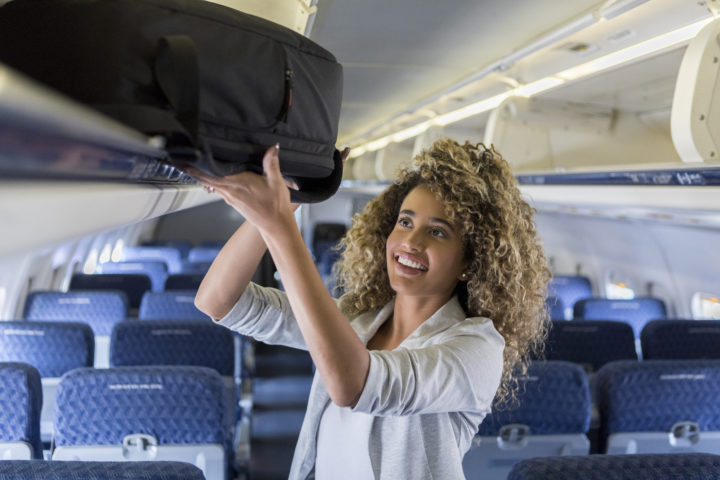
(177, 72)
(313, 190)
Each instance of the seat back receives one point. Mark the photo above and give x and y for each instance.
(157, 271)
(660, 406)
(99, 309)
(182, 246)
(551, 417)
(171, 305)
(568, 289)
(132, 284)
(20, 404)
(78, 470)
(555, 307)
(53, 348)
(171, 256)
(688, 466)
(681, 339)
(144, 413)
(184, 281)
(590, 343)
(178, 342)
(203, 253)
(637, 312)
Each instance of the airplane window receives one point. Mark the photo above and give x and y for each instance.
(705, 306)
(3, 294)
(117, 251)
(619, 290)
(105, 254)
(91, 262)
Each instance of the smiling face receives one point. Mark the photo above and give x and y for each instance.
(424, 251)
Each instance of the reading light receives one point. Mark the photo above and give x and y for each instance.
(644, 48)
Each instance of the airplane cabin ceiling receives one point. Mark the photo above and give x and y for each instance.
(409, 50)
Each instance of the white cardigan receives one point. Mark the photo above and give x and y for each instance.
(428, 395)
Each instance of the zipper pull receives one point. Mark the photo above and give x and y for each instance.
(288, 94)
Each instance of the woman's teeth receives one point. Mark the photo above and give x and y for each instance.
(409, 263)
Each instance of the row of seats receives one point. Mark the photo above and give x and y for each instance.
(656, 406)
(165, 413)
(79, 470)
(593, 343)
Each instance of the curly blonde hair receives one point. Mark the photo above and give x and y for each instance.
(507, 268)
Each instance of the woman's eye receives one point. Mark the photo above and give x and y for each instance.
(438, 232)
(404, 222)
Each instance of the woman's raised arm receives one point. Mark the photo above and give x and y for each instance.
(340, 356)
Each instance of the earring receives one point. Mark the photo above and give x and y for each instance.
(464, 276)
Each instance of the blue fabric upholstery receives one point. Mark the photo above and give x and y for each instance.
(20, 404)
(169, 255)
(591, 343)
(203, 254)
(653, 395)
(679, 466)
(181, 246)
(76, 470)
(184, 281)
(157, 271)
(637, 312)
(132, 284)
(100, 310)
(569, 289)
(53, 348)
(554, 398)
(176, 405)
(171, 305)
(556, 308)
(173, 342)
(681, 339)
(280, 361)
(194, 267)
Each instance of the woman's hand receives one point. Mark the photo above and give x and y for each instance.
(264, 200)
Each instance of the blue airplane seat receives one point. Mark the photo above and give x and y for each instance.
(170, 305)
(184, 281)
(680, 339)
(555, 308)
(101, 309)
(20, 405)
(157, 271)
(170, 255)
(53, 348)
(637, 311)
(182, 246)
(175, 413)
(569, 289)
(590, 343)
(204, 253)
(79, 470)
(134, 285)
(686, 466)
(552, 417)
(189, 267)
(660, 406)
(179, 342)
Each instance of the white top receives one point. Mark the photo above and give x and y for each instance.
(427, 397)
(342, 445)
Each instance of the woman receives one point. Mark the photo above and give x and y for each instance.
(444, 280)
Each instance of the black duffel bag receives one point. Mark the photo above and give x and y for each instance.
(219, 85)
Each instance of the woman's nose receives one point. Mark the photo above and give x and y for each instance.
(413, 240)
